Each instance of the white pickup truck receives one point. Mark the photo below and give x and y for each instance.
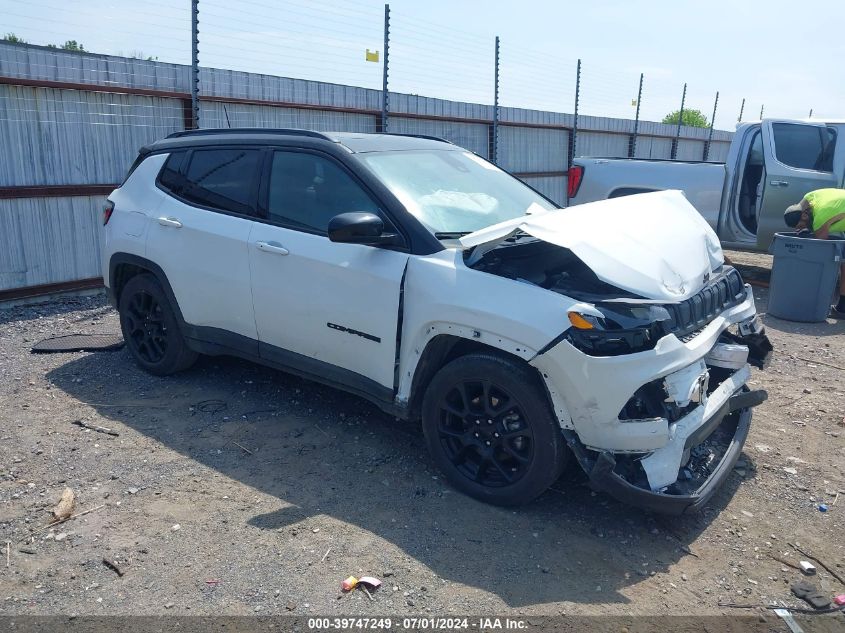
(771, 164)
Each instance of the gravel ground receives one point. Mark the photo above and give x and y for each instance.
(235, 489)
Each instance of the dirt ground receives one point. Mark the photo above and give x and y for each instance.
(236, 489)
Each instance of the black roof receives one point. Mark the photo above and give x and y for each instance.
(355, 142)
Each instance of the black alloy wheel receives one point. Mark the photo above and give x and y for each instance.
(490, 428)
(484, 433)
(150, 327)
(146, 327)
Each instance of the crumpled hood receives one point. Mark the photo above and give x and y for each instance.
(653, 244)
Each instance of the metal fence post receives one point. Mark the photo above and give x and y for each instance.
(741, 110)
(810, 116)
(573, 135)
(761, 111)
(680, 122)
(495, 149)
(195, 65)
(710, 133)
(385, 95)
(632, 146)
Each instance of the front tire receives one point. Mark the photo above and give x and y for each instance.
(489, 427)
(150, 327)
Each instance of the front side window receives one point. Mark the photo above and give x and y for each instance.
(222, 179)
(453, 192)
(804, 146)
(306, 191)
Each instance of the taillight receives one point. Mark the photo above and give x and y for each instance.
(107, 212)
(573, 180)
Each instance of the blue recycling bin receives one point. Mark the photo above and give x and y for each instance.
(804, 276)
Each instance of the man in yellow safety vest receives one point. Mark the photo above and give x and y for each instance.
(823, 212)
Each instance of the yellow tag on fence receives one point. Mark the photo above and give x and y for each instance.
(372, 56)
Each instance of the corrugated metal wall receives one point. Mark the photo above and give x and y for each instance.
(73, 137)
(49, 240)
(56, 135)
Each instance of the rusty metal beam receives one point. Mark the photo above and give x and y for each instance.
(55, 191)
(86, 87)
(46, 289)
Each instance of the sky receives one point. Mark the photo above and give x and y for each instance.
(775, 54)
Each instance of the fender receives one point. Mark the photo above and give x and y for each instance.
(473, 335)
(140, 262)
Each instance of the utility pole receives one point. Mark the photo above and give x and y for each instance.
(680, 122)
(710, 133)
(385, 95)
(573, 137)
(495, 149)
(195, 65)
(632, 149)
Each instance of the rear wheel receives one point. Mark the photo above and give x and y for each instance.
(489, 427)
(150, 328)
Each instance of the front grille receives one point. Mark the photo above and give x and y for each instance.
(695, 313)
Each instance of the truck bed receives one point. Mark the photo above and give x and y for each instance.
(702, 182)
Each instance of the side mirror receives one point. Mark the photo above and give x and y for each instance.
(361, 228)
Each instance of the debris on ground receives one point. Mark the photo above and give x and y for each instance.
(95, 427)
(208, 406)
(79, 343)
(243, 448)
(73, 516)
(113, 566)
(808, 568)
(810, 594)
(369, 581)
(349, 584)
(827, 567)
(64, 508)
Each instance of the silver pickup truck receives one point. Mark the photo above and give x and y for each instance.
(770, 165)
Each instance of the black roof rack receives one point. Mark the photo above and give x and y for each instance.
(250, 130)
(426, 136)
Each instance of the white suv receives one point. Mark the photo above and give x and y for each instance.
(420, 276)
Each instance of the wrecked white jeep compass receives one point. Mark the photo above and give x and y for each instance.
(425, 279)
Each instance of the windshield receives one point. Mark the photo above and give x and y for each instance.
(453, 192)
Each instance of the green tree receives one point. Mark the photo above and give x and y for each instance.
(691, 117)
(72, 45)
(141, 55)
(11, 37)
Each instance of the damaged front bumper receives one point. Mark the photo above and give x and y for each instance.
(673, 443)
(729, 416)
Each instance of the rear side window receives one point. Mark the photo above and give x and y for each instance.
(170, 177)
(804, 146)
(222, 179)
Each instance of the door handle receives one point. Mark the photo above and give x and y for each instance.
(171, 222)
(779, 183)
(269, 247)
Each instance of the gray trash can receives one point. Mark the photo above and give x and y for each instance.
(804, 275)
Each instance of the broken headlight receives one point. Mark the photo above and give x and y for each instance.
(622, 329)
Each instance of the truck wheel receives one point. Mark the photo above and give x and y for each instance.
(150, 328)
(490, 429)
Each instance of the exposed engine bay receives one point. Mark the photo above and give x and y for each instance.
(552, 267)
